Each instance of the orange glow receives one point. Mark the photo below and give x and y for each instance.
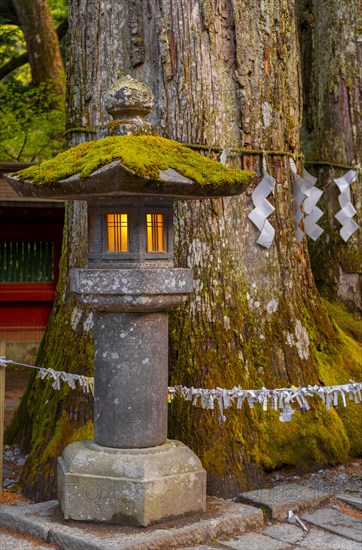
(155, 233)
(117, 233)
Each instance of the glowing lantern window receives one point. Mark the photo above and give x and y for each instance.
(117, 233)
(155, 233)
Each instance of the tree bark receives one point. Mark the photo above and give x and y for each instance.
(223, 73)
(42, 42)
(332, 131)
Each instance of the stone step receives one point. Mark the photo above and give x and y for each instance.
(43, 520)
(14, 542)
(336, 522)
(352, 500)
(287, 496)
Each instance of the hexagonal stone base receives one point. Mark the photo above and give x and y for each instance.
(130, 486)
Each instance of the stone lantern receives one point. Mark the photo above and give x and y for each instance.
(130, 473)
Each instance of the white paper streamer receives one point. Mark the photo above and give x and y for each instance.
(347, 211)
(279, 398)
(299, 197)
(263, 208)
(306, 197)
(311, 212)
(85, 382)
(224, 155)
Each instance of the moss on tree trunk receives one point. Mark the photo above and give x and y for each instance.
(223, 73)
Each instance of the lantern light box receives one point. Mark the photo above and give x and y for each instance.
(134, 231)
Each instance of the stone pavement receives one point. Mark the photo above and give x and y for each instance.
(282, 536)
(11, 540)
(226, 525)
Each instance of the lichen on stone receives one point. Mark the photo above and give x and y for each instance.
(144, 155)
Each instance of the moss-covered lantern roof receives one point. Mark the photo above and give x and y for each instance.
(130, 165)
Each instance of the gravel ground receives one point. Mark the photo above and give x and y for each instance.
(13, 462)
(341, 479)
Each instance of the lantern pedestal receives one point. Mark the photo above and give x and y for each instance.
(130, 486)
(130, 474)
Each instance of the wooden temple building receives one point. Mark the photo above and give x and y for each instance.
(30, 249)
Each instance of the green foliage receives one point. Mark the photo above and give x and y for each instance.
(143, 155)
(31, 130)
(59, 10)
(12, 41)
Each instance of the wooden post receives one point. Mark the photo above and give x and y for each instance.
(2, 413)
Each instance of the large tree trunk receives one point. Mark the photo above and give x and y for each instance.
(42, 42)
(332, 131)
(223, 73)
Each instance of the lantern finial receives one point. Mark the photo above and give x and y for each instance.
(128, 101)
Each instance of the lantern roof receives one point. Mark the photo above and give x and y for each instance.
(130, 165)
(132, 160)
